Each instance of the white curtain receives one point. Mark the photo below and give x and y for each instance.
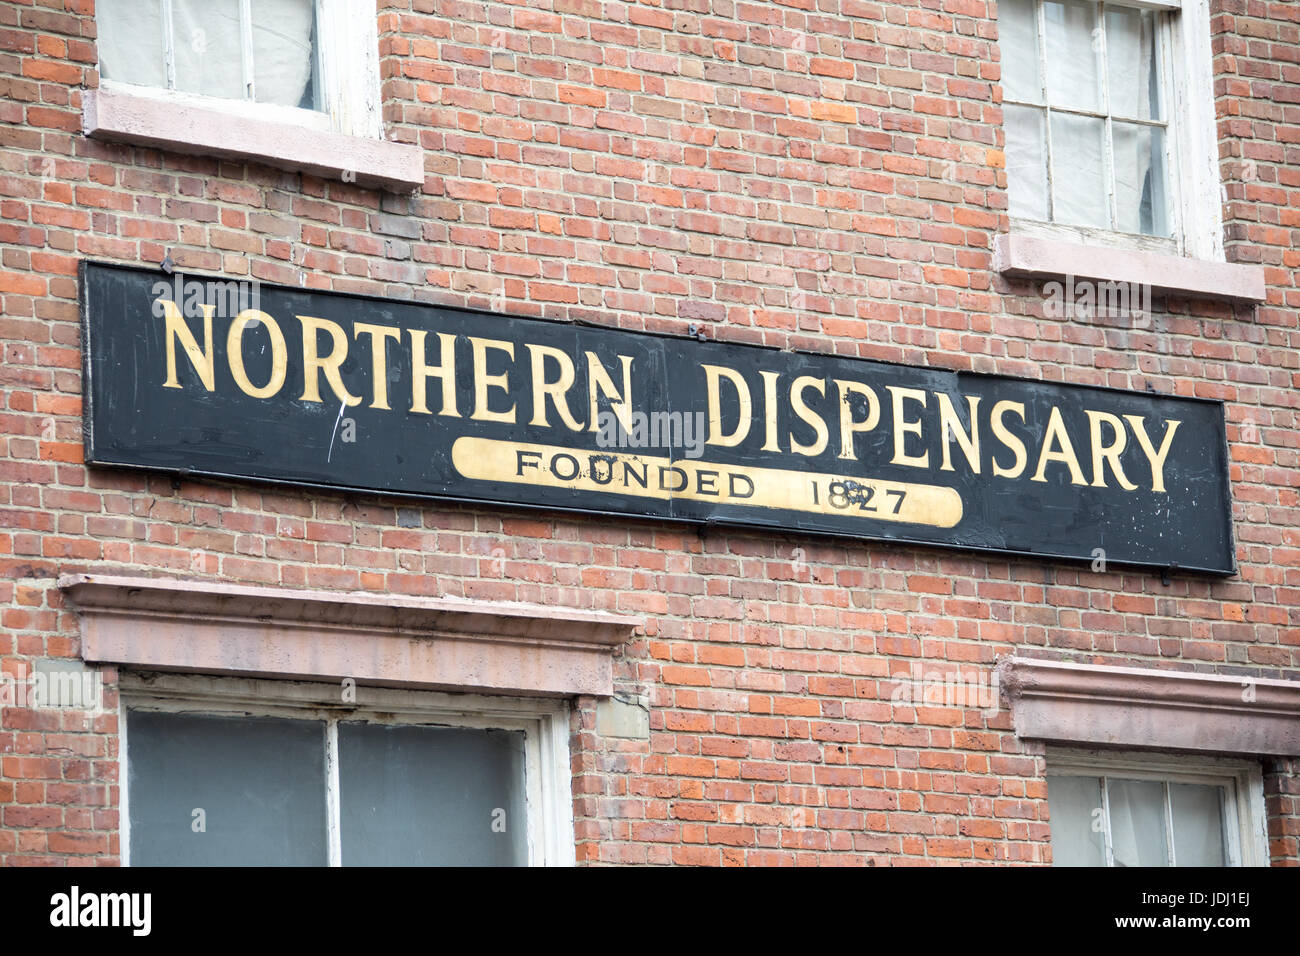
(1077, 825)
(206, 42)
(1198, 824)
(131, 41)
(1137, 822)
(1081, 71)
(282, 51)
(207, 46)
(1131, 64)
(1135, 94)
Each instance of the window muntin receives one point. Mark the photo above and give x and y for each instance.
(521, 769)
(307, 64)
(1118, 809)
(263, 52)
(1085, 112)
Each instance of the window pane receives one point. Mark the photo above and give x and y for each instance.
(1198, 824)
(258, 782)
(1140, 179)
(1078, 175)
(1137, 822)
(1078, 837)
(1073, 48)
(283, 60)
(206, 43)
(1131, 63)
(131, 41)
(1018, 46)
(1026, 162)
(431, 796)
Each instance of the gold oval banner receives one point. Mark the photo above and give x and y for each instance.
(642, 476)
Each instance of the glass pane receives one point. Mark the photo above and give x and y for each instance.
(1026, 162)
(1131, 63)
(1078, 823)
(1079, 190)
(1137, 822)
(225, 791)
(132, 46)
(283, 58)
(206, 44)
(1198, 824)
(1018, 45)
(1140, 179)
(1073, 55)
(431, 796)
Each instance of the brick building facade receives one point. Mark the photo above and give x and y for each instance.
(820, 176)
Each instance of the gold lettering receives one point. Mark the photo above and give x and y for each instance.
(483, 381)
(1056, 438)
(556, 391)
(379, 335)
(805, 413)
(769, 410)
(176, 329)
(950, 428)
(598, 378)
(313, 364)
(903, 428)
(1156, 458)
(422, 371)
(847, 425)
(1103, 454)
(1008, 439)
(235, 353)
(712, 375)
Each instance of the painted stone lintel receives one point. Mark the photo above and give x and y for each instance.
(389, 640)
(1158, 709)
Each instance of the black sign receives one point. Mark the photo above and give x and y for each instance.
(218, 377)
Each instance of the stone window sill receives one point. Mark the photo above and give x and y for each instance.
(1037, 257)
(124, 117)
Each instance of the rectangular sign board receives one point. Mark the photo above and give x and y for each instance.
(206, 376)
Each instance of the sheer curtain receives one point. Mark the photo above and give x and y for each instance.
(132, 41)
(1109, 68)
(1077, 826)
(1074, 81)
(1135, 94)
(1198, 824)
(207, 44)
(1137, 822)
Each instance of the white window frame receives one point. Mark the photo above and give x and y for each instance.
(1245, 816)
(1191, 143)
(543, 721)
(347, 35)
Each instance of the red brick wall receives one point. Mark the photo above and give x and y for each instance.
(810, 175)
(1282, 797)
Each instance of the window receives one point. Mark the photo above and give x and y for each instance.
(1109, 810)
(1108, 119)
(224, 772)
(306, 62)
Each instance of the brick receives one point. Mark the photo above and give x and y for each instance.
(649, 167)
